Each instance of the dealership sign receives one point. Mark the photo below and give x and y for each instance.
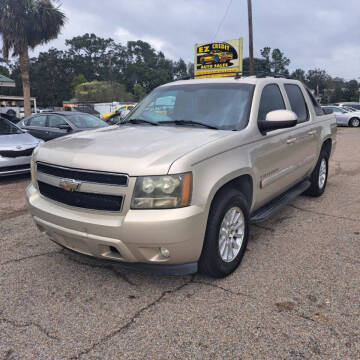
(218, 59)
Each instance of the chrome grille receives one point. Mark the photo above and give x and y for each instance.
(86, 189)
(99, 177)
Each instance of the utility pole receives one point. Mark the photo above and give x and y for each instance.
(251, 46)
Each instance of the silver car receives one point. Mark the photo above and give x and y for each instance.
(16, 147)
(344, 117)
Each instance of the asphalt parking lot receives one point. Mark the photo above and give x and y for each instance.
(295, 296)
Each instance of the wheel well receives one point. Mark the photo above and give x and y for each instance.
(243, 183)
(327, 146)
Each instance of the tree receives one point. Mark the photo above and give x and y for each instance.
(24, 24)
(78, 80)
(318, 79)
(102, 91)
(275, 61)
(139, 92)
(299, 74)
(351, 92)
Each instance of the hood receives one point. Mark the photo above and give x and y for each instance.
(132, 149)
(8, 142)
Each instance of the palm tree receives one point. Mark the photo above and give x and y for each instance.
(24, 24)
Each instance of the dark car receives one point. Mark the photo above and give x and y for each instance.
(49, 126)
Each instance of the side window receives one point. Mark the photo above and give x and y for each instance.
(55, 120)
(271, 99)
(318, 110)
(297, 102)
(37, 121)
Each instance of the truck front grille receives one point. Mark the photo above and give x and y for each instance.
(81, 199)
(83, 175)
(16, 153)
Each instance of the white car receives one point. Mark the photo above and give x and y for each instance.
(344, 117)
(16, 148)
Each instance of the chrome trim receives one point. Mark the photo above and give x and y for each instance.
(86, 171)
(88, 187)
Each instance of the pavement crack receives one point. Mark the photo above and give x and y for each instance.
(237, 293)
(132, 320)
(30, 257)
(16, 324)
(13, 214)
(321, 213)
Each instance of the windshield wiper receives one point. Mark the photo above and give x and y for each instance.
(139, 121)
(188, 122)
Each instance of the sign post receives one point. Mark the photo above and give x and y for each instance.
(218, 59)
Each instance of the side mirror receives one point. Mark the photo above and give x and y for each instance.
(278, 119)
(64, 127)
(328, 111)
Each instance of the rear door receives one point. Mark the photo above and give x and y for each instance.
(306, 132)
(53, 123)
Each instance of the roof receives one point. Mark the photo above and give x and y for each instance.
(6, 82)
(234, 80)
(10, 97)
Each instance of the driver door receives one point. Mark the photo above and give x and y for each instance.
(275, 156)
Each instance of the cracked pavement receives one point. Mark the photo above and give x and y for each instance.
(296, 294)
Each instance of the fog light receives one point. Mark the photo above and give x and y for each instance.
(165, 252)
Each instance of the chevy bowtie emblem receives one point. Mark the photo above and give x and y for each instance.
(69, 185)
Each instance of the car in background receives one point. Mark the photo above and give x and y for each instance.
(16, 148)
(355, 105)
(343, 116)
(48, 126)
(119, 110)
(117, 118)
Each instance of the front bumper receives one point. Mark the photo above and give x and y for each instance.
(135, 237)
(14, 166)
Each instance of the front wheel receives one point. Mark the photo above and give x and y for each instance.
(226, 235)
(319, 176)
(354, 122)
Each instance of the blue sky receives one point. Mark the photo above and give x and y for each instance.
(312, 33)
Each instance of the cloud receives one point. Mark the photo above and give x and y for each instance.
(321, 33)
(123, 35)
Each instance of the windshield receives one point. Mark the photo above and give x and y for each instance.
(223, 106)
(86, 121)
(8, 128)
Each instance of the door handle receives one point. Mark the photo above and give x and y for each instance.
(312, 132)
(291, 140)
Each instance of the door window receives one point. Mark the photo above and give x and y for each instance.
(318, 110)
(271, 99)
(54, 121)
(39, 121)
(297, 102)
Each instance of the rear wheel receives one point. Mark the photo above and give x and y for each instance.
(319, 176)
(354, 122)
(226, 234)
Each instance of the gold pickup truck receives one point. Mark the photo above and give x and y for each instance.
(176, 191)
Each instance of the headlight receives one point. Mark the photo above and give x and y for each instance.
(162, 192)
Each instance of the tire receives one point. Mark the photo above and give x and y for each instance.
(231, 241)
(354, 122)
(318, 178)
